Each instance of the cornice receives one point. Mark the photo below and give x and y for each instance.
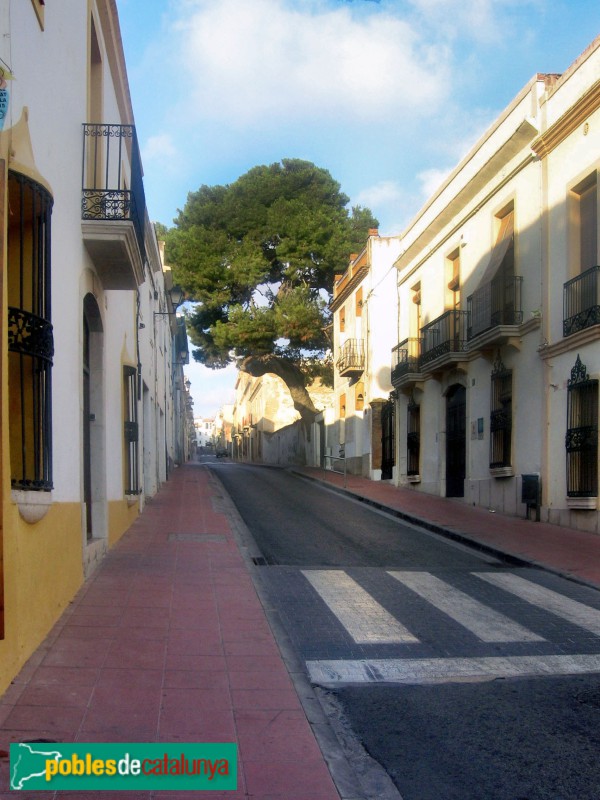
(568, 122)
(349, 288)
(570, 343)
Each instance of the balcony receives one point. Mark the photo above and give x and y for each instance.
(113, 205)
(405, 363)
(351, 360)
(495, 311)
(444, 341)
(581, 302)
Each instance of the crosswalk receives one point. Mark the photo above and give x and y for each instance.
(364, 618)
(488, 625)
(367, 622)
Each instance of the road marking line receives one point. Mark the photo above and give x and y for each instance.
(446, 670)
(573, 611)
(488, 625)
(362, 616)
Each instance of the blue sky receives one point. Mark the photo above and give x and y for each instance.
(387, 95)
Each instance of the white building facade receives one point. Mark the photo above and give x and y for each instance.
(364, 309)
(87, 360)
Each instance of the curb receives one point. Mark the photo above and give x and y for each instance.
(448, 533)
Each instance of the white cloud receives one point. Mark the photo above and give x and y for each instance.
(210, 389)
(431, 180)
(159, 146)
(484, 21)
(265, 61)
(380, 194)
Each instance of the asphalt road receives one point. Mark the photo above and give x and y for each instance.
(455, 671)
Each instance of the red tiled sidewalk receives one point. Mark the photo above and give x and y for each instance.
(168, 642)
(563, 550)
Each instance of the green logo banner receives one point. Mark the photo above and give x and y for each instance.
(108, 767)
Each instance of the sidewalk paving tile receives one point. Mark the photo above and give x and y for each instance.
(168, 642)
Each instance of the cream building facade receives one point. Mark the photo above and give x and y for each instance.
(364, 313)
(88, 361)
(496, 366)
(265, 426)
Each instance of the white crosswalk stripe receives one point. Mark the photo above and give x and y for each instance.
(369, 623)
(571, 610)
(488, 625)
(362, 616)
(447, 670)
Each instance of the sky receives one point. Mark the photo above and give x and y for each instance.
(388, 95)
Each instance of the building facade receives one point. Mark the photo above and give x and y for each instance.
(496, 366)
(364, 313)
(87, 417)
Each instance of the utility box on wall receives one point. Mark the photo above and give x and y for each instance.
(531, 493)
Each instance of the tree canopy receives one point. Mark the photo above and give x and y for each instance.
(259, 257)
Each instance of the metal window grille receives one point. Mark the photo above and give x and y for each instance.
(445, 334)
(581, 440)
(413, 438)
(501, 416)
(30, 336)
(581, 302)
(405, 358)
(131, 431)
(112, 177)
(352, 355)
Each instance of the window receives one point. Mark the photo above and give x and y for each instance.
(500, 416)
(413, 438)
(497, 300)
(359, 396)
(581, 294)
(30, 337)
(342, 406)
(131, 431)
(342, 319)
(359, 302)
(414, 312)
(453, 280)
(584, 239)
(581, 441)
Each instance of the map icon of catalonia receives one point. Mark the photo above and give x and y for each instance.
(29, 761)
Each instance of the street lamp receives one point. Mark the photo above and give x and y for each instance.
(176, 296)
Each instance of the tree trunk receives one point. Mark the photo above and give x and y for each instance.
(291, 375)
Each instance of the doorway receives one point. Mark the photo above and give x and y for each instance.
(388, 417)
(94, 491)
(456, 441)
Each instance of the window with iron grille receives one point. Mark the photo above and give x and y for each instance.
(30, 337)
(501, 416)
(581, 440)
(131, 432)
(413, 438)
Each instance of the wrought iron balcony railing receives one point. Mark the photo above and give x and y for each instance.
(444, 335)
(496, 303)
(352, 357)
(112, 183)
(405, 359)
(581, 302)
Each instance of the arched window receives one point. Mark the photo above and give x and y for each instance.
(359, 396)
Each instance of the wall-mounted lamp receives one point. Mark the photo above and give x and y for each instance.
(176, 296)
